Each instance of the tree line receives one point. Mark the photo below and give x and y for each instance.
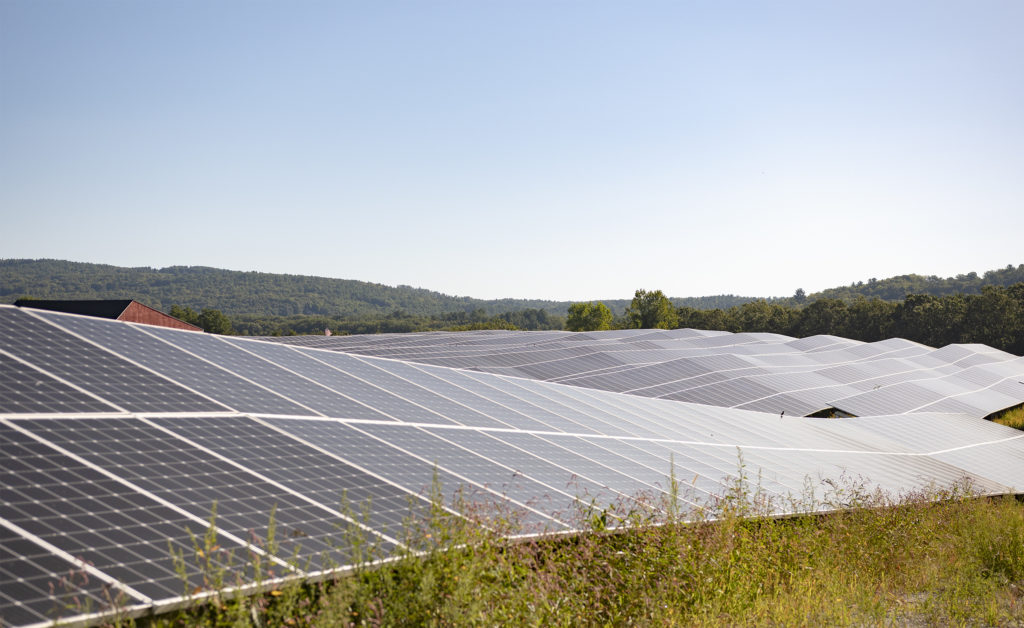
(397, 322)
(994, 317)
(236, 293)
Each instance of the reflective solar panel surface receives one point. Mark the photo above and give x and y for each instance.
(766, 372)
(120, 440)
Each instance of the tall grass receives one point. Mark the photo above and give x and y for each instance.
(936, 557)
(1013, 417)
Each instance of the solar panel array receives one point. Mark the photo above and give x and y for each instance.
(765, 372)
(119, 440)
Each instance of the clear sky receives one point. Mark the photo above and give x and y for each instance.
(536, 149)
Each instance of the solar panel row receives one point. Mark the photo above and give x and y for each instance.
(119, 441)
(766, 372)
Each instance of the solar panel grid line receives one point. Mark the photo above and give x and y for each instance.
(551, 441)
(543, 433)
(288, 382)
(238, 375)
(709, 477)
(555, 413)
(648, 476)
(469, 481)
(575, 472)
(205, 523)
(598, 420)
(523, 360)
(997, 441)
(242, 504)
(727, 462)
(130, 339)
(497, 389)
(655, 421)
(990, 386)
(659, 417)
(383, 363)
(271, 481)
(312, 445)
(650, 454)
(298, 353)
(515, 471)
(568, 379)
(107, 365)
(456, 379)
(60, 379)
(795, 390)
(725, 371)
(717, 373)
(902, 383)
(51, 317)
(544, 372)
(28, 570)
(349, 373)
(324, 478)
(408, 471)
(395, 367)
(118, 530)
(77, 563)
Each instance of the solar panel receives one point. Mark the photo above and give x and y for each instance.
(81, 364)
(197, 374)
(118, 439)
(303, 469)
(25, 390)
(69, 504)
(681, 366)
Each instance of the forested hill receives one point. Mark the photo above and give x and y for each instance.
(236, 292)
(896, 288)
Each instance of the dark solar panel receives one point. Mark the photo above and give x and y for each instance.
(94, 369)
(25, 390)
(119, 491)
(92, 517)
(39, 586)
(197, 374)
(199, 482)
(305, 469)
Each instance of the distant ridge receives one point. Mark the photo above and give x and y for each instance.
(897, 288)
(270, 294)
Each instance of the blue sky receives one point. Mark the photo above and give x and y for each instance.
(535, 149)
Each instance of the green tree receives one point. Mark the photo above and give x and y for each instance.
(824, 316)
(215, 322)
(651, 310)
(869, 320)
(590, 316)
(186, 314)
(762, 316)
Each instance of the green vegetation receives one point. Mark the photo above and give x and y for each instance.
(212, 321)
(396, 322)
(995, 318)
(938, 557)
(651, 310)
(268, 296)
(1013, 417)
(238, 293)
(986, 309)
(590, 316)
(897, 288)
